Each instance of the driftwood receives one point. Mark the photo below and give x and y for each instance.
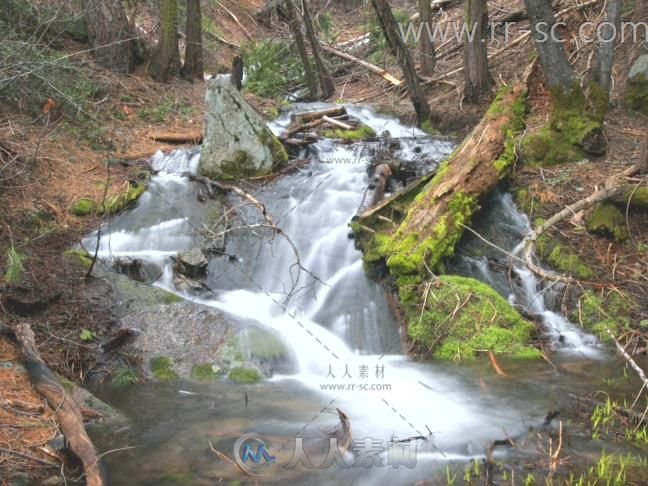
(309, 116)
(371, 67)
(192, 135)
(67, 412)
(336, 123)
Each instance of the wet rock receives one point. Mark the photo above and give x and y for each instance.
(130, 267)
(237, 143)
(192, 263)
(53, 481)
(186, 284)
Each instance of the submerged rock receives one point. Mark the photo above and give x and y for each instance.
(192, 263)
(236, 144)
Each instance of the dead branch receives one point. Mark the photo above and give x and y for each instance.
(67, 412)
(193, 136)
(628, 358)
(371, 67)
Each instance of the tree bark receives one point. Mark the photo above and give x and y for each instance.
(427, 54)
(404, 58)
(166, 59)
(237, 72)
(193, 64)
(110, 36)
(611, 30)
(424, 232)
(557, 70)
(327, 86)
(295, 27)
(477, 78)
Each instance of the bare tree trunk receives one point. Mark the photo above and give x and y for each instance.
(404, 58)
(557, 71)
(237, 72)
(611, 28)
(427, 54)
(110, 35)
(193, 63)
(327, 86)
(477, 78)
(166, 59)
(295, 27)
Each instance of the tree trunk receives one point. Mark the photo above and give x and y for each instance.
(327, 86)
(577, 113)
(295, 27)
(193, 63)
(477, 78)
(237, 72)
(404, 58)
(424, 232)
(110, 35)
(166, 59)
(427, 54)
(557, 70)
(611, 30)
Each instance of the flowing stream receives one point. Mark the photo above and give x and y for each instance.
(336, 322)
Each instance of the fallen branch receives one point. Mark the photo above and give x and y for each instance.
(67, 412)
(193, 136)
(628, 358)
(309, 116)
(336, 123)
(371, 67)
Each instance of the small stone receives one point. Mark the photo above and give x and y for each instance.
(192, 263)
(53, 481)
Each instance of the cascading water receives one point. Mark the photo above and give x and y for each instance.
(337, 319)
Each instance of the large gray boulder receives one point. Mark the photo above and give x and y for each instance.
(237, 143)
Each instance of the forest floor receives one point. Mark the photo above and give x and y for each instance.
(61, 162)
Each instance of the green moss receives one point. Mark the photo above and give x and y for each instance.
(203, 372)
(279, 154)
(124, 377)
(408, 254)
(577, 116)
(636, 97)
(637, 197)
(241, 374)
(363, 132)
(83, 207)
(516, 114)
(162, 369)
(608, 220)
(79, 256)
(598, 312)
(429, 128)
(563, 259)
(124, 200)
(461, 318)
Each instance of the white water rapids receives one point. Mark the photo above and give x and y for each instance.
(343, 322)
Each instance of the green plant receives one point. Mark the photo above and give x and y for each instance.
(125, 377)
(87, 335)
(273, 68)
(15, 267)
(450, 479)
(602, 416)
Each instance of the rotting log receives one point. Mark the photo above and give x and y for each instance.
(67, 412)
(431, 222)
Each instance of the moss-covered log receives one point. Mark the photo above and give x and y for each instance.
(411, 234)
(435, 220)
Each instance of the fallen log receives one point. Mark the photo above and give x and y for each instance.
(309, 116)
(429, 226)
(67, 412)
(300, 127)
(192, 135)
(336, 123)
(371, 67)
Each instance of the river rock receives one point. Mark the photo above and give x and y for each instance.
(236, 143)
(637, 89)
(192, 263)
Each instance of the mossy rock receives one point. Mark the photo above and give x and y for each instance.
(83, 207)
(241, 374)
(204, 372)
(575, 128)
(362, 132)
(79, 256)
(637, 197)
(563, 259)
(162, 369)
(608, 220)
(599, 312)
(124, 200)
(463, 317)
(636, 97)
